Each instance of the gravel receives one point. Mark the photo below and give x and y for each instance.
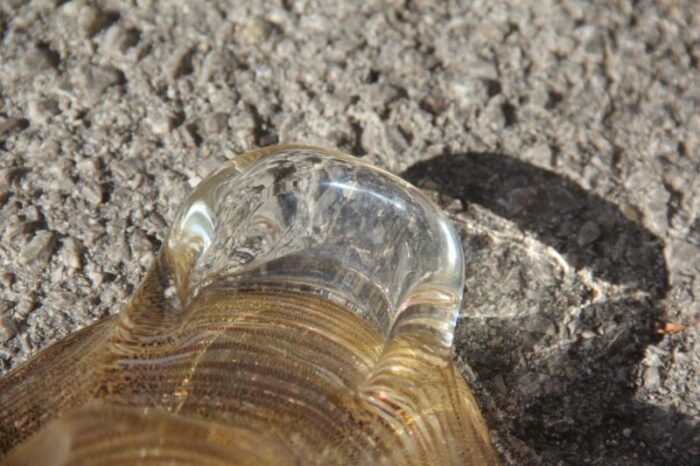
(562, 137)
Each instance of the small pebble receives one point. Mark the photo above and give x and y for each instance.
(41, 110)
(164, 121)
(215, 123)
(121, 39)
(39, 59)
(651, 378)
(630, 212)
(71, 254)
(94, 80)
(589, 232)
(180, 63)
(89, 168)
(12, 125)
(7, 328)
(92, 192)
(254, 31)
(39, 249)
(7, 279)
(25, 306)
(93, 20)
(6, 177)
(96, 278)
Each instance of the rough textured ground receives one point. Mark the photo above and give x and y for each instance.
(563, 138)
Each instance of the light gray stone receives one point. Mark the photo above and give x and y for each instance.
(38, 59)
(651, 378)
(71, 254)
(92, 81)
(41, 110)
(589, 232)
(39, 250)
(7, 328)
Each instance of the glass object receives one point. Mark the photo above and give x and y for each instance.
(300, 311)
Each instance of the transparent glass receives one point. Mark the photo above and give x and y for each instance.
(300, 311)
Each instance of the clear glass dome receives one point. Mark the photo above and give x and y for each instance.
(304, 216)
